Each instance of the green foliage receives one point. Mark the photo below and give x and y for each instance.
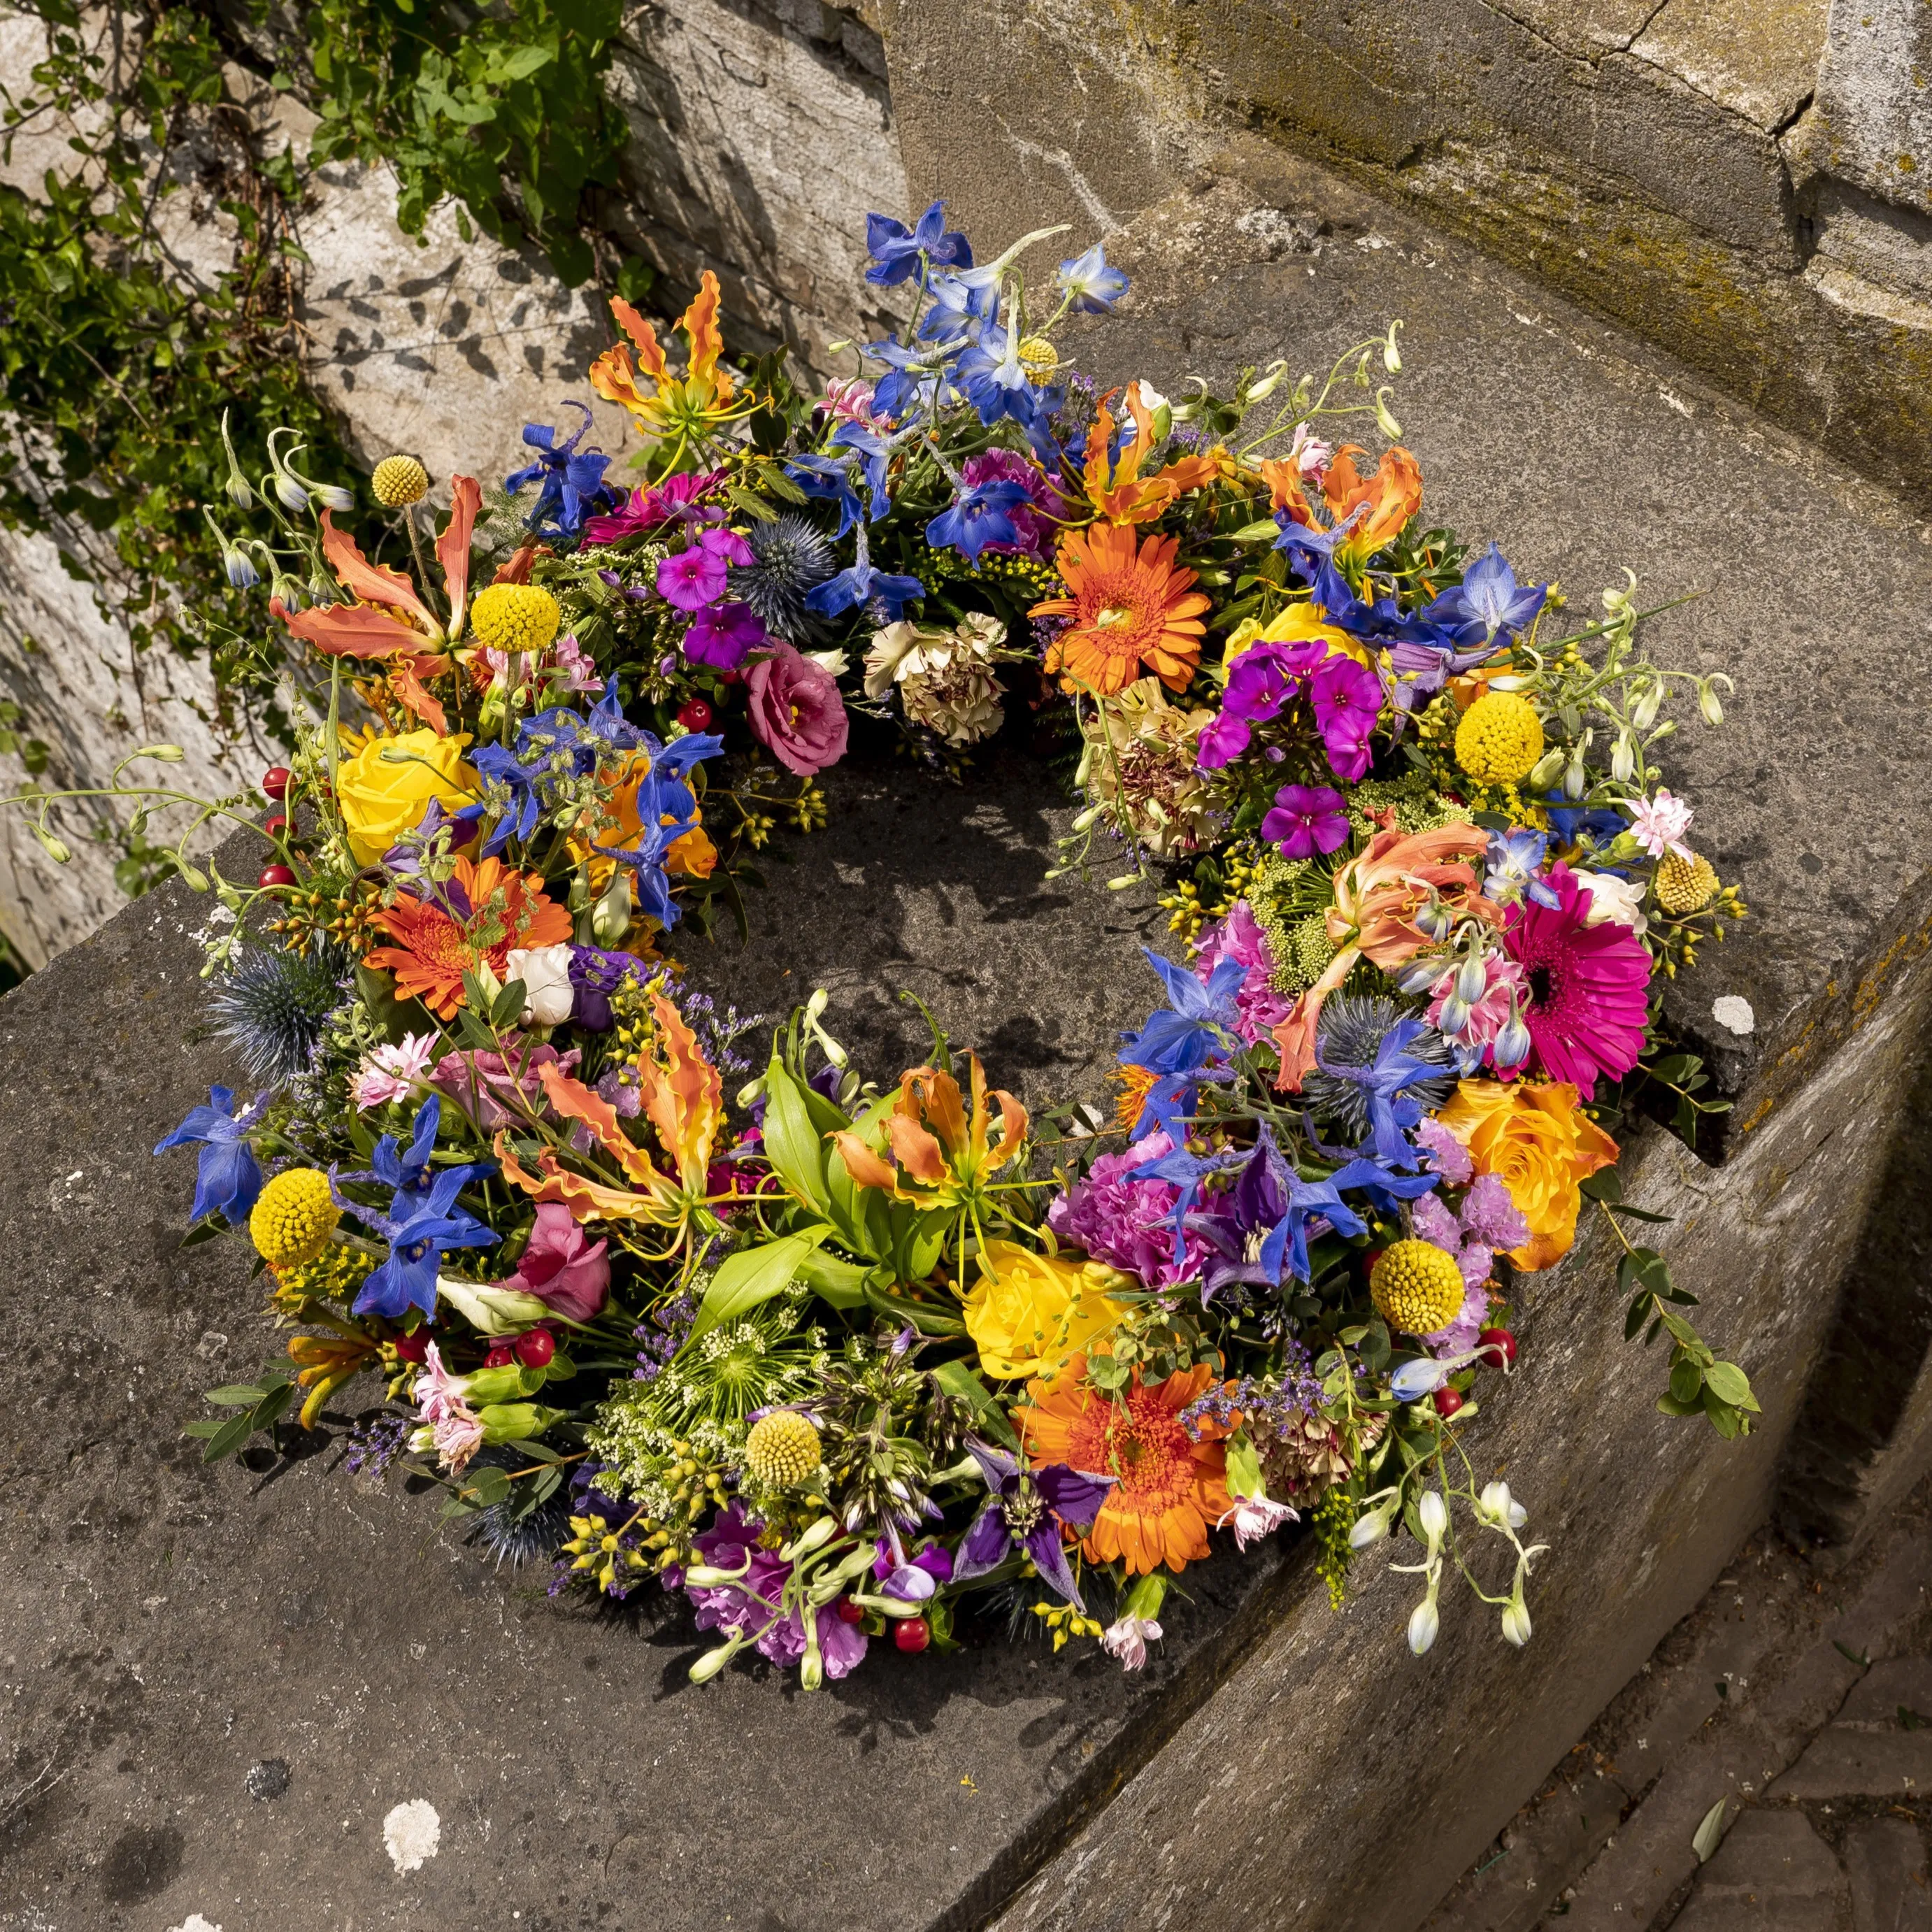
(504, 112)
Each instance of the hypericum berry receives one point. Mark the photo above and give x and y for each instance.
(275, 875)
(276, 826)
(498, 1357)
(412, 1348)
(912, 1634)
(275, 782)
(1498, 1346)
(535, 1347)
(695, 714)
(849, 1612)
(1447, 1401)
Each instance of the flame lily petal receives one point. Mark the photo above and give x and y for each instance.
(682, 1096)
(864, 1166)
(586, 1199)
(452, 548)
(349, 630)
(372, 582)
(576, 1102)
(915, 1150)
(700, 324)
(650, 351)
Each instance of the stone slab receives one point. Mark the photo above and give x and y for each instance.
(1885, 1861)
(1846, 1763)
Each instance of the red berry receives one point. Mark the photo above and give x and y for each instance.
(1498, 1346)
(849, 1612)
(412, 1348)
(276, 826)
(1447, 1402)
(276, 875)
(696, 716)
(912, 1634)
(536, 1348)
(498, 1357)
(275, 782)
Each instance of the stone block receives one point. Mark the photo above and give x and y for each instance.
(1773, 1872)
(1864, 1762)
(1756, 57)
(1892, 1682)
(1885, 1860)
(1872, 98)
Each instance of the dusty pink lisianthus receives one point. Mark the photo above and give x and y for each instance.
(796, 713)
(484, 1084)
(561, 1268)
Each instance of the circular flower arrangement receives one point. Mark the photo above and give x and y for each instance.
(667, 1296)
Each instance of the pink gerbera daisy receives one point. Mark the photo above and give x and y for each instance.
(1586, 984)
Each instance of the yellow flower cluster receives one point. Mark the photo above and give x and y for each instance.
(1685, 886)
(293, 1218)
(514, 617)
(399, 480)
(783, 1449)
(1500, 739)
(1416, 1287)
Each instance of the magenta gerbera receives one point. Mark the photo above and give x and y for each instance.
(1586, 985)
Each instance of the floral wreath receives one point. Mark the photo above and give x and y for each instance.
(839, 1361)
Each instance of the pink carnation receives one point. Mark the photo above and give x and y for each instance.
(1259, 1007)
(1129, 1223)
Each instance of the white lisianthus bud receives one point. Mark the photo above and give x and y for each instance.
(549, 998)
(708, 1665)
(489, 1310)
(1496, 1506)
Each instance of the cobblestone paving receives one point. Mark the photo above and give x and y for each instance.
(1797, 1699)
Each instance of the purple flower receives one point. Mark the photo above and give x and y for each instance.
(725, 636)
(1258, 1007)
(1488, 1220)
(227, 1176)
(1490, 1215)
(982, 514)
(1347, 701)
(1264, 680)
(1448, 1156)
(752, 1606)
(1128, 1223)
(691, 578)
(1026, 1511)
(1306, 819)
(912, 1580)
(896, 250)
(1036, 522)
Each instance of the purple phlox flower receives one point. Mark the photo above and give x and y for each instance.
(691, 578)
(1488, 601)
(897, 251)
(227, 1177)
(1515, 863)
(572, 480)
(1264, 678)
(1347, 701)
(1199, 1023)
(1094, 286)
(724, 637)
(981, 514)
(1025, 1512)
(860, 587)
(1306, 819)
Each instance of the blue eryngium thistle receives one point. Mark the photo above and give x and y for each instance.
(271, 1009)
(510, 1531)
(1341, 1089)
(794, 558)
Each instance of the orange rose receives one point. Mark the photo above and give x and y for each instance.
(1541, 1144)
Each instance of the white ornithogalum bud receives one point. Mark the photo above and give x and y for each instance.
(1391, 355)
(1710, 704)
(1575, 780)
(1121, 884)
(1496, 1506)
(1434, 1512)
(549, 997)
(1372, 1525)
(1424, 1622)
(1516, 1620)
(1266, 385)
(168, 754)
(1623, 758)
(1547, 769)
(750, 1093)
(1472, 980)
(816, 1005)
(708, 1665)
(1384, 421)
(1648, 707)
(1617, 602)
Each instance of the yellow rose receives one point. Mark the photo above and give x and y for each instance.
(1541, 1145)
(382, 798)
(1301, 624)
(1028, 1312)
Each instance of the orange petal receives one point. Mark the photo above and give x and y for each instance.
(865, 1166)
(373, 582)
(576, 1102)
(349, 630)
(700, 324)
(452, 548)
(585, 1200)
(650, 353)
(613, 379)
(404, 683)
(682, 1094)
(915, 1150)
(1013, 1120)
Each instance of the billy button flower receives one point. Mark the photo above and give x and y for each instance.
(1685, 884)
(1417, 1287)
(292, 1219)
(399, 480)
(1500, 739)
(783, 1449)
(514, 617)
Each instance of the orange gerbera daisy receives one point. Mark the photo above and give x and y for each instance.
(1170, 1487)
(1130, 608)
(474, 920)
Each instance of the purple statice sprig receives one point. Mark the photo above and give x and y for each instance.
(662, 1332)
(375, 1442)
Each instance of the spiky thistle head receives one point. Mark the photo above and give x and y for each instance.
(794, 558)
(515, 1531)
(1352, 1029)
(271, 1009)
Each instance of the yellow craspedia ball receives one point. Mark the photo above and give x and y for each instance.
(1500, 739)
(782, 1449)
(293, 1217)
(514, 617)
(1685, 885)
(1039, 357)
(1417, 1287)
(399, 480)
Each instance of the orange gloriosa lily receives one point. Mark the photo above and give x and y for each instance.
(688, 409)
(1377, 895)
(389, 616)
(942, 1154)
(682, 1097)
(1381, 503)
(1117, 490)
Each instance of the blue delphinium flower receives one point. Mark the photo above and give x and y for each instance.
(1094, 286)
(980, 515)
(1375, 1072)
(1515, 859)
(420, 1227)
(227, 1178)
(1198, 1024)
(1488, 600)
(995, 380)
(959, 304)
(896, 250)
(667, 810)
(860, 587)
(572, 480)
(828, 481)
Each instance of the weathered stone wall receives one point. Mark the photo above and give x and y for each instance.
(760, 137)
